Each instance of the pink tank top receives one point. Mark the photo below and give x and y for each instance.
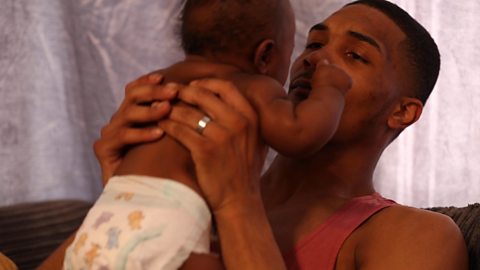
(319, 250)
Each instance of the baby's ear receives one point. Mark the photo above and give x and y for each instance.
(406, 112)
(264, 56)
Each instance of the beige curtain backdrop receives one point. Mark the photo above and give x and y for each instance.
(63, 65)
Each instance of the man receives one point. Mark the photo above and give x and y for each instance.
(393, 64)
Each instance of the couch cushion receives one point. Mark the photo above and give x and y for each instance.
(468, 220)
(29, 232)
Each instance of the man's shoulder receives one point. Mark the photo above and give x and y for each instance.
(405, 223)
(412, 238)
(397, 214)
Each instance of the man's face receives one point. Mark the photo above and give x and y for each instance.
(366, 45)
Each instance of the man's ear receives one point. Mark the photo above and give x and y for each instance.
(264, 56)
(406, 112)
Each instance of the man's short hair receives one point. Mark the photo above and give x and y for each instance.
(233, 26)
(420, 48)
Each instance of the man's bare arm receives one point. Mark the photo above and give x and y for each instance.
(202, 262)
(55, 260)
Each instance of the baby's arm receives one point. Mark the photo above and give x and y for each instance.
(297, 129)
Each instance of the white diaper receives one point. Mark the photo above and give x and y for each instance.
(141, 222)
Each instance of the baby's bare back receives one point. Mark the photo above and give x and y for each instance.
(166, 158)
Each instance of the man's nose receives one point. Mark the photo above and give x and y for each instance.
(315, 57)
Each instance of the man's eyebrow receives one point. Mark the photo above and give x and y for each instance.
(357, 35)
(318, 27)
(364, 38)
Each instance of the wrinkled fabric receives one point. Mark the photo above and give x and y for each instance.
(64, 63)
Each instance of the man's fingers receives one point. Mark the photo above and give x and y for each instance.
(208, 143)
(107, 148)
(223, 114)
(137, 115)
(152, 78)
(187, 136)
(149, 93)
(146, 114)
(187, 115)
(128, 136)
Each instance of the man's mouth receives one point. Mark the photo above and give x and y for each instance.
(300, 88)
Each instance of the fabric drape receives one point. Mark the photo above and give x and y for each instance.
(63, 66)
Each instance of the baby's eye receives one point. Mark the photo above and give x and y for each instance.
(357, 57)
(314, 45)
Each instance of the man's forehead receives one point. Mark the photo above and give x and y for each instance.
(365, 20)
(355, 16)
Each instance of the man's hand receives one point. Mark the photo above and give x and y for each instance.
(125, 127)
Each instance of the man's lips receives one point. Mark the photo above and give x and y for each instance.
(300, 87)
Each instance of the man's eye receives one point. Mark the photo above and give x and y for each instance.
(314, 45)
(355, 56)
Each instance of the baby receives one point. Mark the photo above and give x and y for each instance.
(151, 214)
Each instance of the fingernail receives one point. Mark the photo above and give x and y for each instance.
(170, 85)
(157, 105)
(194, 83)
(171, 88)
(154, 77)
(157, 131)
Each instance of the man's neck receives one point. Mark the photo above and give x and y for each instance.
(333, 173)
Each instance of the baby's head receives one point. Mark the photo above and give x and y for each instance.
(256, 35)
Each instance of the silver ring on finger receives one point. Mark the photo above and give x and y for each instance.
(202, 124)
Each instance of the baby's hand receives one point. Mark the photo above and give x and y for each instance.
(332, 76)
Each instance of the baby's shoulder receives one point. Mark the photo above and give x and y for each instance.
(259, 83)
